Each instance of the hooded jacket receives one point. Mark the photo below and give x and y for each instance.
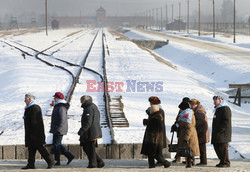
(59, 120)
(90, 123)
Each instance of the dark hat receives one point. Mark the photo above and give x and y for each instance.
(186, 99)
(59, 95)
(217, 98)
(154, 100)
(184, 105)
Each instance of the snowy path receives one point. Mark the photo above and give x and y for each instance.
(233, 52)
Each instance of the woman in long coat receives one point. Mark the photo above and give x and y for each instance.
(153, 138)
(187, 135)
(201, 128)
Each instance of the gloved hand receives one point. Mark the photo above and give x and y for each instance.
(145, 122)
(174, 128)
(80, 132)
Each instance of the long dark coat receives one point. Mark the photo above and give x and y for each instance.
(59, 120)
(222, 127)
(90, 123)
(201, 124)
(33, 125)
(153, 137)
(163, 126)
(188, 132)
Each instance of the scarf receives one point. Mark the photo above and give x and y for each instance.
(60, 101)
(220, 105)
(30, 104)
(186, 115)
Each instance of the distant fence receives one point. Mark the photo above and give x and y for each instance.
(109, 151)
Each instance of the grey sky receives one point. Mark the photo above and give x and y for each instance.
(113, 7)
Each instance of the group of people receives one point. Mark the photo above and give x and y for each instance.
(89, 132)
(191, 126)
(192, 132)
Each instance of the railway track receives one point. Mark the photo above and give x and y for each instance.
(75, 70)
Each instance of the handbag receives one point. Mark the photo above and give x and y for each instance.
(172, 147)
(185, 152)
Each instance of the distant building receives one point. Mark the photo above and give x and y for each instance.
(100, 17)
(176, 25)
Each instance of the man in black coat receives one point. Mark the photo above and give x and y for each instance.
(221, 130)
(59, 127)
(34, 132)
(90, 131)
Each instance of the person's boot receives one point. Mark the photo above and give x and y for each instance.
(188, 163)
(28, 167)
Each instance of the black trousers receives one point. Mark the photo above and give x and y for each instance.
(32, 153)
(158, 156)
(89, 148)
(203, 153)
(221, 150)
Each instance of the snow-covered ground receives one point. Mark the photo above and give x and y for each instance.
(200, 74)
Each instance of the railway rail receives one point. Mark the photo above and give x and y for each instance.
(47, 56)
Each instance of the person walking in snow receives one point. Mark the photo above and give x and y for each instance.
(90, 131)
(221, 130)
(59, 127)
(187, 135)
(153, 138)
(153, 100)
(201, 128)
(34, 132)
(174, 128)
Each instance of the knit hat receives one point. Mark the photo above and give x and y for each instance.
(184, 105)
(59, 95)
(217, 98)
(154, 108)
(154, 100)
(186, 99)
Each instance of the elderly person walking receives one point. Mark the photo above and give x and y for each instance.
(90, 131)
(221, 130)
(34, 132)
(153, 100)
(201, 128)
(59, 127)
(187, 135)
(153, 138)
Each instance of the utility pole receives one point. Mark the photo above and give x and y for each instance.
(161, 18)
(166, 17)
(172, 16)
(157, 19)
(213, 20)
(199, 18)
(234, 20)
(153, 15)
(187, 16)
(179, 17)
(46, 17)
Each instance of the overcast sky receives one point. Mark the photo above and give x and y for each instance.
(113, 7)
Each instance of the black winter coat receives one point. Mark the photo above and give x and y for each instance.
(222, 126)
(33, 125)
(153, 137)
(163, 126)
(59, 120)
(90, 123)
